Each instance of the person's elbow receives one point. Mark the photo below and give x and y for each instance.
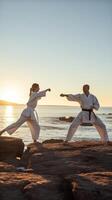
(41, 94)
(69, 98)
(96, 107)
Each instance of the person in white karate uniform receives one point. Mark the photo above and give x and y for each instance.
(29, 114)
(88, 102)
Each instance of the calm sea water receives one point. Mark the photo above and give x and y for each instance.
(51, 127)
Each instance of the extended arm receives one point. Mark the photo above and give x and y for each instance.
(71, 97)
(39, 95)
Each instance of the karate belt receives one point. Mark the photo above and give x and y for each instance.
(88, 110)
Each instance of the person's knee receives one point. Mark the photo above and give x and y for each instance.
(72, 126)
(101, 125)
(75, 124)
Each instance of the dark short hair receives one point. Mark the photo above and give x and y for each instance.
(86, 85)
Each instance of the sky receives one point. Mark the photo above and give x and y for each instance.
(61, 44)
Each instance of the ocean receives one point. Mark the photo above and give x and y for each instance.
(51, 126)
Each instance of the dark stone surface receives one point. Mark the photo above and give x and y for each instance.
(73, 171)
(10, 147)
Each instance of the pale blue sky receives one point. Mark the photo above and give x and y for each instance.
(59, 43)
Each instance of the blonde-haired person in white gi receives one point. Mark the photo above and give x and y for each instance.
(29, 114)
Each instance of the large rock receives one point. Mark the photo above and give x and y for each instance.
(75, 157)
(66, 119)
(74, 171)
(10, 147)
(86, 186)
(27, 186)
(70, 119)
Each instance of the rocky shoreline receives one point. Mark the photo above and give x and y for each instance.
(54, 171)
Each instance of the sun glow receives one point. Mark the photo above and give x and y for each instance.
(10, 94)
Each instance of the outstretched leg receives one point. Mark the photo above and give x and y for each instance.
(13, 127)
(75, 124)
(34, 128)
(101, 128)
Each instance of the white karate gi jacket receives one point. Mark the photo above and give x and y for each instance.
(86, 102)
(30, 111)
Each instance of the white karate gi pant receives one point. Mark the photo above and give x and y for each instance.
(97, 123)
(31, 118)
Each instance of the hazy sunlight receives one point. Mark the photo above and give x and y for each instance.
(10, 94)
